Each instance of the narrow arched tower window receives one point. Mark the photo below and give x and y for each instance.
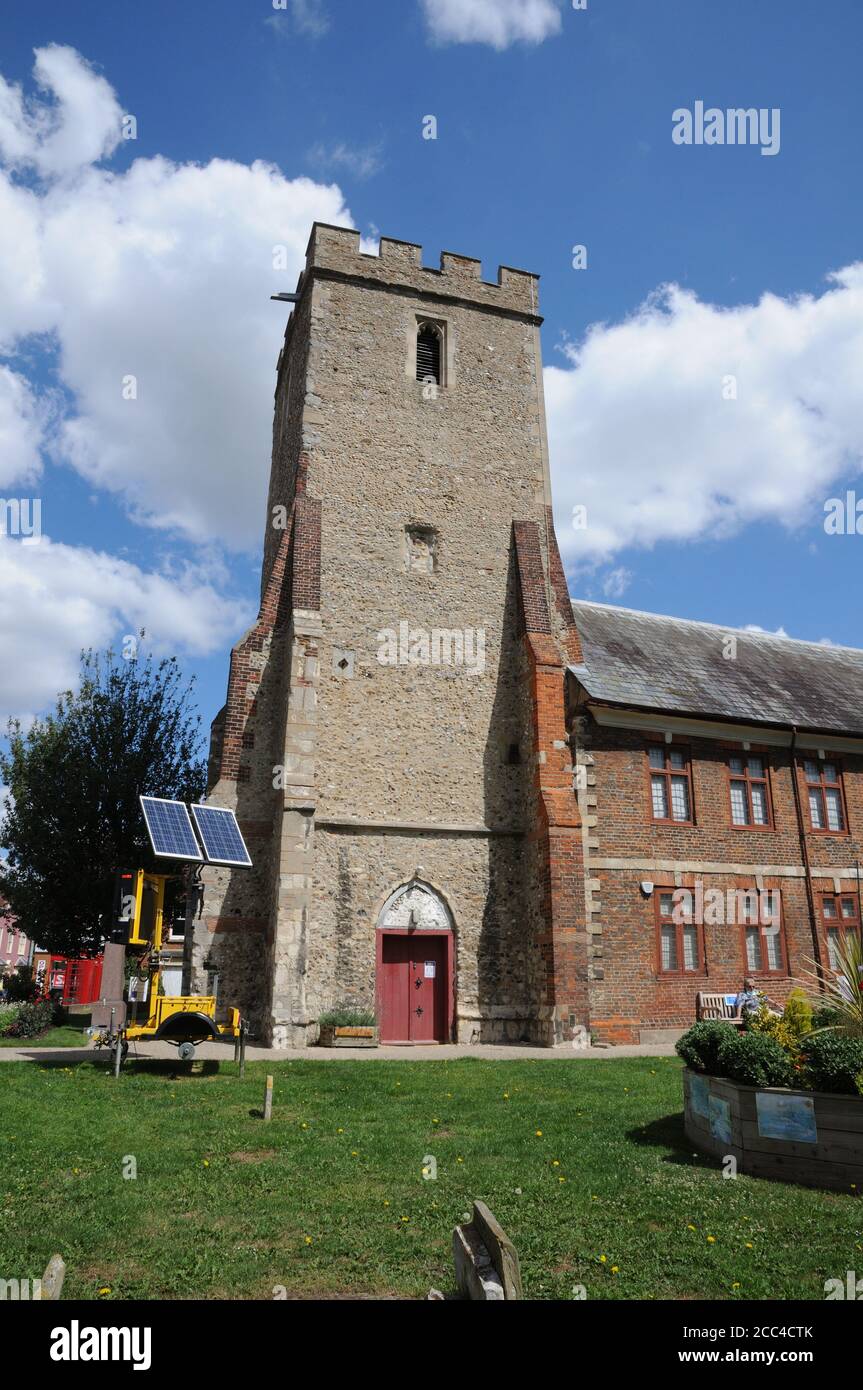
(428, 353)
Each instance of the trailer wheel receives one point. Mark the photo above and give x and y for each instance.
(186, 1051)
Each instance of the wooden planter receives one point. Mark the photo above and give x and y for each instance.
(808, 1137)
(331, 1036)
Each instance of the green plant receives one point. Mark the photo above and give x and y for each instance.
(6, 1016)
(773, 1026)
(699, 1047)
(31, 1019)
(844, 986)
(797, 1015)
(833, 1062)
(755, 1059)
(825, 1016)
(347, 1016)
(20, 985)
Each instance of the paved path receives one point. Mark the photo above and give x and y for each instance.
(224, 1052)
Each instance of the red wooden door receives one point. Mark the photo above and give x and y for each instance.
(395, 999)
(413, 988)
(427, 987)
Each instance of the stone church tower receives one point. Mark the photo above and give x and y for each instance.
(394, 737)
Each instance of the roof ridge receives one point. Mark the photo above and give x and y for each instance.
(755, 635)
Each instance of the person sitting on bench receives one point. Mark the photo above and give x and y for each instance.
(750, 999)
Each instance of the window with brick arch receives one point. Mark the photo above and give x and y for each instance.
(429, 353)
(840, 920)
(760, 920)
(679, 940)
(824, 796)
(749, 790)
(670, 785)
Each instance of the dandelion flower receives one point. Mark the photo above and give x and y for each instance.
(539, 1134)
(711, 1240)
(603, 1259)
(308, 1240)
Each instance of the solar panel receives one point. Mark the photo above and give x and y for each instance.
(170, 829)
(220, 836)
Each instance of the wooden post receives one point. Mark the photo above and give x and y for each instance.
(52, 1279)
(268, 1099)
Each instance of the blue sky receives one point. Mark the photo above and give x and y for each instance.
(150, 257)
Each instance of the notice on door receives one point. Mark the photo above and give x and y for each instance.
(429, 970)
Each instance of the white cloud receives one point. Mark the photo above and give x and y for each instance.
(767, 631)
(616, 582)
(78, 125)
(495, 22)
(362, 161)
(162, 273)
(58, 599)
(306, 17)
(645, 433)
(21, 422)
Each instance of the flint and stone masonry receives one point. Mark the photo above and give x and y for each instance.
(433, 793)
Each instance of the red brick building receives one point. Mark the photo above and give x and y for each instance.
(711, 760)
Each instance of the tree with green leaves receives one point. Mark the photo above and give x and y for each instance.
(74, 777)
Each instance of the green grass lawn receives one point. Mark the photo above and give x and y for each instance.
(584, 1162)
(64, 1035)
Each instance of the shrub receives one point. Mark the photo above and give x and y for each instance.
(773, 1026)
(31, 1019)
(20, 986)
(833, 1062)
(347, 1016)
(699, 1047)
(826, 1017)
(755, 1059)
(797, 1015)
(7, 1013)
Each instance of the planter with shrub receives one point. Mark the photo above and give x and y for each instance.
(347, 1026)
(784, 1097)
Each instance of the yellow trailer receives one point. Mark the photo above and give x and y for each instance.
(184, 1020)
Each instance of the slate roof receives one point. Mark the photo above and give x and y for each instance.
(645, 661)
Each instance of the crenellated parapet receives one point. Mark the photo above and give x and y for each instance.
(336, 252)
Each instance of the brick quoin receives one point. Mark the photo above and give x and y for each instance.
(557, 833)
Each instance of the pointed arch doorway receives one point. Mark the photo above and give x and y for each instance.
(415, 967)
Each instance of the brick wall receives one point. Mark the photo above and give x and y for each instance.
(628, 991)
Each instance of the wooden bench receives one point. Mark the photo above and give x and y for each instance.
(710, 1006)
